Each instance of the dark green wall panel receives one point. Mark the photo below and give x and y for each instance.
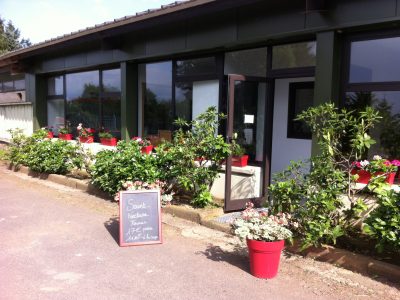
(169, 40)
(215, 30)
(99, 57)
(75, 61)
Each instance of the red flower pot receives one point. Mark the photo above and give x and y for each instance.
(88, 139)
(240, 161)
(147, 149)
(264, 258)
(108, 141)
(365, 176)
(65, 136)
(50, 134)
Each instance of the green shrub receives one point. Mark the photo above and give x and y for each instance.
(314, 194)
(114, 167)
(54, 157)
(197, 140)
(384, 222)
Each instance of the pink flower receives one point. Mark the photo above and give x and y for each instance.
(396, 163)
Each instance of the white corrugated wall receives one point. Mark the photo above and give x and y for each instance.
(15, 116)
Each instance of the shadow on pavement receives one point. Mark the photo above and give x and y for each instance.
(237, 257)
(112, 226)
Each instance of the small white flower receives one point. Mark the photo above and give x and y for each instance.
(377, 157)
(364, 163)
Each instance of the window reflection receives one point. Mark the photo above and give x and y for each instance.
(196, 67)
(375, 60)
(156, 91)
(82, 95)
(387, 131)
(55, 86)
(294, 55)
(111, 101)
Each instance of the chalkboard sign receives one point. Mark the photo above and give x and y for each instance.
(139, 218)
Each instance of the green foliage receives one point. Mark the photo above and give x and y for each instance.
(41, 154)
(114, 167)
(314, 193)
(198, 140)
(384, 222)
(10, 37)
(54, 157)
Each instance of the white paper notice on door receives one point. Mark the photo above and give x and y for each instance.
(248, 119)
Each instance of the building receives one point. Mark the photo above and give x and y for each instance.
(264, 60)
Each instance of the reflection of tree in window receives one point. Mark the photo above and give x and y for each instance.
(85, 109)
(157, 112)
(294, 55)
(183, 100)
(387, 131)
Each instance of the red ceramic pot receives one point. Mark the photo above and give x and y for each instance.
(108, 141)
(147, 149)
(240, 161)
(50, 134)
(264, 258)
(65, 136)
(365, 176)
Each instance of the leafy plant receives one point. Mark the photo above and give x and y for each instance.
(112, 168)
(84, 132)
(58, 157)
(384, 222)
(237, 150)
(193, 140)
(105, 135)
(314, 195)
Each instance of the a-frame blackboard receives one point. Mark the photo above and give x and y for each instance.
(139, 218)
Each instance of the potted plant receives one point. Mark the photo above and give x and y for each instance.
(239, 158)
(147, 147)
(49, 130)
(64, 134)
(85, 135)
(377, 167)
(107, 139)
(265, 236)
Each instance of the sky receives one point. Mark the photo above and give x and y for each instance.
(40, 20)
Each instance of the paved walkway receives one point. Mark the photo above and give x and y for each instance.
(60, 243)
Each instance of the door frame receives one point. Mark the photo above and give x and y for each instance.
(239, 204)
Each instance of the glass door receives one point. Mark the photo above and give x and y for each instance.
(245, 129)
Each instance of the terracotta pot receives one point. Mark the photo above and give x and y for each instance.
(264, 258)
(109, 141)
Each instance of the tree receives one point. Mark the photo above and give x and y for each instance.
(10, 37)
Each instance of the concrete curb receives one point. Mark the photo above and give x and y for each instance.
(339, 257)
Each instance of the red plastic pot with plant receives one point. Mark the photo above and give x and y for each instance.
(85, 135)
(265, 236)
(147, 148)
(107, 139)
(378, 166)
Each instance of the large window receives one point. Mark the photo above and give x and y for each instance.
(82, 95)
(195, 88)
(155, 88)
(92, 98)
(374, 80)
(12, 84)
(375, 60)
